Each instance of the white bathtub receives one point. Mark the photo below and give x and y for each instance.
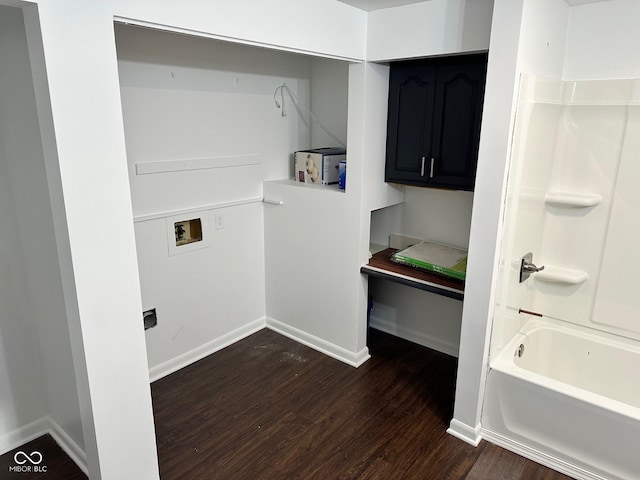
(571, 401)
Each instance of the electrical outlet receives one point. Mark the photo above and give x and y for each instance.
(149, 318)
(219, 221)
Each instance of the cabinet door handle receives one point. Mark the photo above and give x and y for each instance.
(422, 168)
(431, 170)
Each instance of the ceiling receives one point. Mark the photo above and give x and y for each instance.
(369, 5)
(582, 2)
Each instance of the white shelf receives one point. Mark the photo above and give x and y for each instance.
(560, 275)
(333, 188)
(572, 199)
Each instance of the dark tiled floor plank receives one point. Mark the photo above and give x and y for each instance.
(497, 464)
(55, 464)
(270, 408)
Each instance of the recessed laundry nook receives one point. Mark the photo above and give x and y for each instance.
(207, 139)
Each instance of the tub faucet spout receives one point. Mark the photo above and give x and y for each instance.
(531, 268)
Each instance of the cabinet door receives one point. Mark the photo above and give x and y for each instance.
(410, 122)
(456, 135)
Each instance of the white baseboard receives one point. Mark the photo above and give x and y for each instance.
(43, 426)
(542, 458)
(67, 443)
(412, 335)
(465, 432)
(24, 434)
(162, 370)
(334, 351)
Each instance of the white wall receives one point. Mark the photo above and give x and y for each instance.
(284, 24)
(437, 215)
(204, 298)
(318, 239)
(485, 232)
(368, 93)
(37, 348)
(329, 97)
(601, 41)
(186, 97)
(310, 247)
(22, 399)
(368, 125)
(424, 318)
(543, 37)
(311, 240)
(92, 208)
(434, 27)
(442, 216)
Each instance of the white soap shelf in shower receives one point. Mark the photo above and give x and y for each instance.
(572, 199)
(565, 276)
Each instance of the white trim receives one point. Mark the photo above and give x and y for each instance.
(414, 336)
(38, 428)
(185, 211)
(23, 434)
(167, 166)
(162, 370)
(67, 443)
(355, 359)
(542, 458)
(467, 433)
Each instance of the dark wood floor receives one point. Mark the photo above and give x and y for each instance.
(270, 408)
(54, 465)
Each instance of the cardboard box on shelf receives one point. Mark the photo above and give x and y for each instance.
(318, 165)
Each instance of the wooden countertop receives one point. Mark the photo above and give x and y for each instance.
(380, 265)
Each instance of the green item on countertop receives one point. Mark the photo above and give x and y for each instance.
(434, 257)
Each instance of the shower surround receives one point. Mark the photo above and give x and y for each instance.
(564, 382)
